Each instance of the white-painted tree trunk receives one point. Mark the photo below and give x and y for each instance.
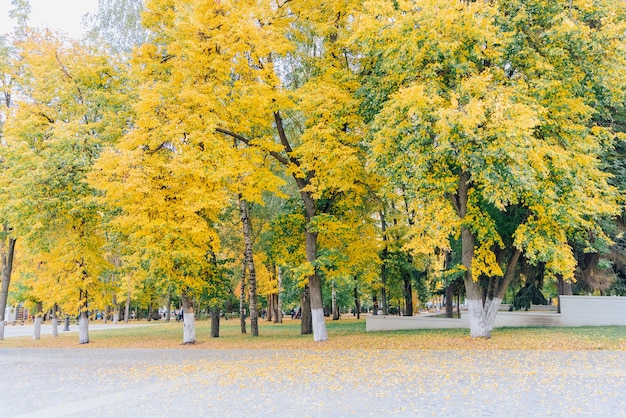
(491, 312)
(83, 328)
(37, 328)
(55, 327)
(189, 328)
(116, 318)
(319, 324)
(482, 318)
(2, 330)
(477, 322)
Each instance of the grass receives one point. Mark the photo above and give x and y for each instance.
(348, 333)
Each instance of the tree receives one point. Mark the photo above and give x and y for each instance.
(7, 240)
(70, 104)
(489, 110)
(118, 22)
(238, 47)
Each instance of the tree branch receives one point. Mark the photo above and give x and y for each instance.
(284, 161)
(509, 273)
(281, 132)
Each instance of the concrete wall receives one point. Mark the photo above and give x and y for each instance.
(387, 323)
(575, 311)
(593, 310)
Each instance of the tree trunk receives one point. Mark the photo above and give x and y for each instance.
(408, 295)
(563, 288)
(127, 307)
(383, 267)
(375, 304)
(478, 325)
(215, 321)
(334, 304)
(357, 304)
(37, 327)
(306, 324)
(247, 236)
(279, 298)
(37, 322)
(315, 291)
(189, 323)
(55, 321)
(449, 310)
(242, 308)
(169, 305)
(83, 327)
(275, 310)
(6, 253)
(116, 310)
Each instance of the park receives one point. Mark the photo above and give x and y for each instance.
(337, 208)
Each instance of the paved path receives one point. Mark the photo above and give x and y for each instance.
(87, 382)
(27, 329)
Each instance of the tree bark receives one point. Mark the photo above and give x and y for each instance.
(83, 327)
(334, 304)
(215, 321)
(127, 306)
(383, 267)
(242, 308)
(189, 323)
(408, 295)
(115, 310)
(279, 299)
(247, 236)
(169, 305)
(7, 250)
(37, 322)
(55, 321)
(449, 310)
(306, 324)
(357, 303)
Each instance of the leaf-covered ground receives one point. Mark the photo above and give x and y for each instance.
(347, 333)
(147, 371)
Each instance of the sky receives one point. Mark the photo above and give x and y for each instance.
(58, 15)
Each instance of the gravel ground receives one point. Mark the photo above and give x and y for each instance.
(86, 382)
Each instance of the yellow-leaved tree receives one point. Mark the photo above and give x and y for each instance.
(275, 77)
(69, 103)
(485, 111)
(173, 174)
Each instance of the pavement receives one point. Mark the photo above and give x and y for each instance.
(27, 329)
(193, 382)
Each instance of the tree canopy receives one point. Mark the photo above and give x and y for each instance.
(385, 135)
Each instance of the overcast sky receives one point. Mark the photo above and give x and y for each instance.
(59, 15)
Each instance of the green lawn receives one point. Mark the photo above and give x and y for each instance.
(347, 333)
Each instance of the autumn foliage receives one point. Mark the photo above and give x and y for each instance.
(398, 138)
